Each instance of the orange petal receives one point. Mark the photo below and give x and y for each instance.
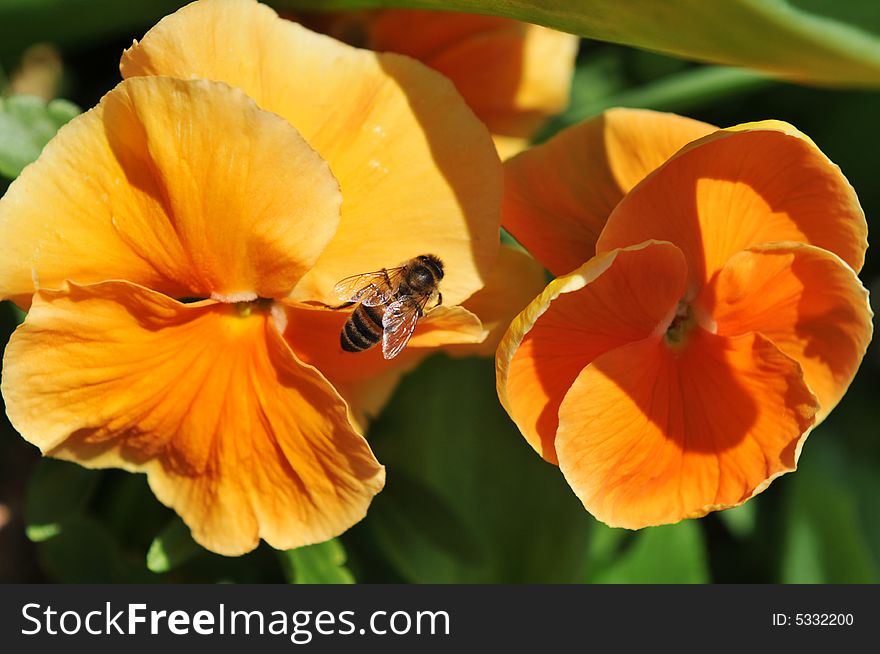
(366, 379)
(615, 298)
(418, 171)
(140, 188)
(524, 74)
(426, 35)
(737, 188)
(559, 194)
(804, 299)
(649, 435)
(516, 280)
(234, 433)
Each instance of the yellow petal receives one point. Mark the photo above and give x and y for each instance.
(418, 171)
(516, 280)
(186, 187)
(524, 72)
(366, 379)
(558, 195)
(234, 433)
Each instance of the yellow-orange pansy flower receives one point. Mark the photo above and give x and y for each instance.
(514, 75)
(717, 319)
(178, 245)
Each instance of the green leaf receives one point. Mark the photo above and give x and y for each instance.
(825, 538)
(680, 92)
(172, 547)
(817, 41)
(514, 517)
(129, 508)
(323, 563)
(740, 520)
(673, 554)
(26, 125)
(12, 313)
(85, 552)
(74, 22)
(866, 484)
(413, 518)
(57, 493)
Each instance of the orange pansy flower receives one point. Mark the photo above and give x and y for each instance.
(717, 319)
(178, 246)
(514, 75)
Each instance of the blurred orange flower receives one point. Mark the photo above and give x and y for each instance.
(180, 242)
(514, 75)
(717, 319)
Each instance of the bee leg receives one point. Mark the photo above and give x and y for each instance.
(344, 305)
(439, 299)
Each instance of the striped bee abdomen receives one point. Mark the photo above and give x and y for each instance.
(362, 330)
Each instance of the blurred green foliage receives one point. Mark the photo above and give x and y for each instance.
(323, 563)
(26, 125)
(74, 22)
(467, 499)
(57, 494)
(172, 547)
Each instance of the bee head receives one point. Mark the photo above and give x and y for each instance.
(433, 263)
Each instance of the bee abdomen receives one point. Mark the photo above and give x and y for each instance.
(362, 330)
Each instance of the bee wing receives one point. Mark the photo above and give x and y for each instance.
(399, 322)
(372, 288)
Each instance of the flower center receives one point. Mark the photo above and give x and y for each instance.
(245, 309)
(682, 323)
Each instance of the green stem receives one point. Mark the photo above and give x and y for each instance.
(691, 89)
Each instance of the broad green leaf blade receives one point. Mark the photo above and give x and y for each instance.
(323, 563)
(26, 125)
(673, 554)
(413, 524)
(172, 547)
(517, 519)
(825, 537)
(57, 493)
(813, 41)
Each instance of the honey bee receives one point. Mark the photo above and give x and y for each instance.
(389, 304)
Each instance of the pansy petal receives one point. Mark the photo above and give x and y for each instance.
(165, 203)
(558, 195)
(615, 298)
(524, 74)
(737, 188)
(649, 435)
(804, 299)
(366, 379)
(516, 280)
(234, 433)
(415, 165)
